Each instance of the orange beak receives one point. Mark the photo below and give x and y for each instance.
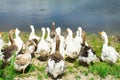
(100, 33)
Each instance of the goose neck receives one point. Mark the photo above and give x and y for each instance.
(105, 40)
(11, 38)
(33, 30)
(43, 34)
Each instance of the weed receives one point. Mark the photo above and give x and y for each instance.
(100, 68)
(92, 78)
(115, 70)
(70, 69)
(39, 77)
(77, 77)
(85, 72)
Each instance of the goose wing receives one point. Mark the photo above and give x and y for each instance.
(22, 60)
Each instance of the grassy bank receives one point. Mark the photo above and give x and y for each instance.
(74, 71)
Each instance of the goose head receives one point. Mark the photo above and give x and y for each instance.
(52, 34)
(17, 31)
(69, 31)
(103, 34)
(11, 32)
(43, 29)
(104, 37)
(79, 28)
(53, 25)
(31, 27)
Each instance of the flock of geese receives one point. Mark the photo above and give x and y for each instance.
(55, 48)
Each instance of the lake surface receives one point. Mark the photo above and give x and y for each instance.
(91, 15)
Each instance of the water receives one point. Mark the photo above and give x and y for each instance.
(92, 15)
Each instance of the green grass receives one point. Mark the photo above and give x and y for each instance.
(77, 77)
(101, 69)
(104, 69)
(115, 70)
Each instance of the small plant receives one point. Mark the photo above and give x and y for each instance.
(70, 69)
(115, 70)
(77, 77)
(85, 72)
(100, 68)
(92, 78)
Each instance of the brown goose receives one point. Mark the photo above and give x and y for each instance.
(23, 60)
(52, 34)
(8, 51)
(87, 54)
(56, 64)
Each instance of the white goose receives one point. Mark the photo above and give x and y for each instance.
(56, 64)
(49, 39)
(108, 53)
(87, 54)
(43, 48)
(72, 50)
(32, 34)
(18, 40)
(23, 60)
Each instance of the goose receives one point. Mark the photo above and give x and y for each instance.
(32, 34)
(77, 41)
(1, 46)
(69, 37)
(52, 34)
(108, 53)
(8, 51)
(87, 55)
(43, 48)
(72, 51)
(56, 64)
(23, 60)
(49, 39)
(17, 40)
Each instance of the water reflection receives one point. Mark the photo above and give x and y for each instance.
(92, 15)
